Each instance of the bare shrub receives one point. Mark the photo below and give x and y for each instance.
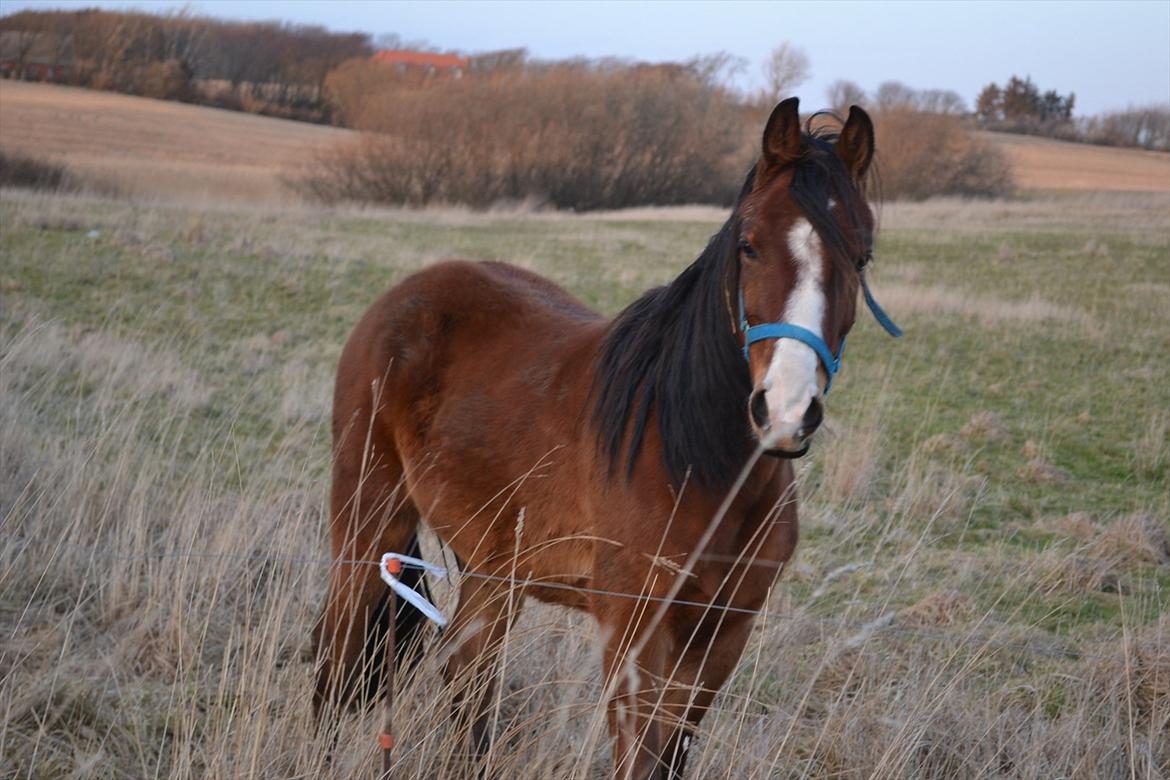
(574, 136)
(842, 94)
(597, 135)
(353, 86)
(923, 154)
(20, 170)
(167, 80)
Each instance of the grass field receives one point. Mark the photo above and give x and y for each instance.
(1045, 164)
(156, 149)
(981, 588)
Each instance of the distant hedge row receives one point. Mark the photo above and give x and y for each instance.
(587, 136)
(262, 67)
(575, 137)
(20, 170)
(572, 134)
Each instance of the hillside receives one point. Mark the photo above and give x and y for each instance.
(1047, 164)
(153, 147)
(158, 148)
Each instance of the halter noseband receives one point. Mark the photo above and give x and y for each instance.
(788, 330)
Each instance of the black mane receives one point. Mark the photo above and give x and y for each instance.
(674, 351)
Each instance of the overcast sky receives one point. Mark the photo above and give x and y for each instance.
(1111, 54)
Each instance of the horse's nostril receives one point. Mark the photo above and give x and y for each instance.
(813, 416)
(759, 408)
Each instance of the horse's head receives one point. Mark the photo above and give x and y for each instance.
(805, 232)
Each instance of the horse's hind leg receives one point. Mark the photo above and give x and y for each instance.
(473, 644)
(370, 515)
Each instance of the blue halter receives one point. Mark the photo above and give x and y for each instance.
(788, 330)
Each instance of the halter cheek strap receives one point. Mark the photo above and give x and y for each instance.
(788, 330)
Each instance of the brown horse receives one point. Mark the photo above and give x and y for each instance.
(544, 443)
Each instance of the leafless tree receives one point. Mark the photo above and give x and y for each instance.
(717, 70)
(1147, 127)
(786, 68)
(497, 61)
(895, 94)
(843, 93)
(941, 101)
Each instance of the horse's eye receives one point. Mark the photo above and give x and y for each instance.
(865, 260)
(746, 249)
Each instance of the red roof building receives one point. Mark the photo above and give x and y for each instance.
(422, 62)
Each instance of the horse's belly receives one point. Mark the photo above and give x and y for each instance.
(494, 459)
(499, 492)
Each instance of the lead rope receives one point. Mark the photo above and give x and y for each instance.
(390, 568)
(878, 312)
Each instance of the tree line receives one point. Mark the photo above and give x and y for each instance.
(1019, 106)
(265, 67)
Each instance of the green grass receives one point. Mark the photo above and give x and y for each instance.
(215, 288)
(171, 362)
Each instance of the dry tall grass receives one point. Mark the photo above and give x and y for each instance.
(159, 592)
(162, 497)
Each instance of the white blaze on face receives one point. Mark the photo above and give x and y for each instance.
(791, 380)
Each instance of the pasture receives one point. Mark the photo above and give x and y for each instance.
(1045, 164)
(981, 587)
(154, 148)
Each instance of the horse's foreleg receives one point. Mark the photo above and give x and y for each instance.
(472, 645)
(705, 661)
(635, 719)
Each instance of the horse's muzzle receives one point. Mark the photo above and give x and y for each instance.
(790, 440)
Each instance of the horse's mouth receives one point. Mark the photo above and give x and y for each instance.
(790, 447)
(794, 445)
(776, 452)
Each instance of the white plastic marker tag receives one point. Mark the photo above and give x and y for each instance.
(392, 564)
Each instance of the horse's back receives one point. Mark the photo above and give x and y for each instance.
(540, 290)
(459, 299)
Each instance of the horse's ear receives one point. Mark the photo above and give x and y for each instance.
(781, 135)
(855, 144)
